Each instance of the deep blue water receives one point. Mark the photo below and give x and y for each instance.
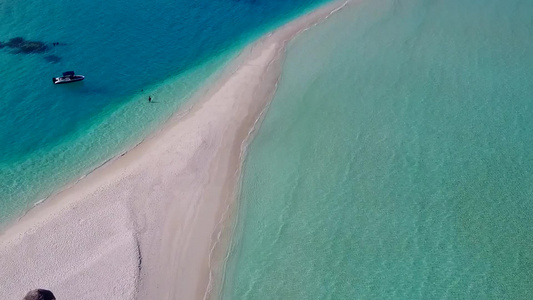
(51, 134)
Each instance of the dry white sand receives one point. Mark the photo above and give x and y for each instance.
(143, 225)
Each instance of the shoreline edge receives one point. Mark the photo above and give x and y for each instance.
(155, 222)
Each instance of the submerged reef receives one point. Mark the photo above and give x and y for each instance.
(52, 59)
(19, 45)
(15, 42)
(30, 47)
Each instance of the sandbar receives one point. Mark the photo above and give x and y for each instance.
(144, 225)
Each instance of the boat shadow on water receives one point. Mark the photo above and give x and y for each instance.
(85, 88)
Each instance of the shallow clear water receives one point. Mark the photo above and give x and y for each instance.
(50, 135)
(395, 161)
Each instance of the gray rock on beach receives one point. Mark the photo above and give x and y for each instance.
(39, 294)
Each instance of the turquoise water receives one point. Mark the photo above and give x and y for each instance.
(50, 135)
(395, 161)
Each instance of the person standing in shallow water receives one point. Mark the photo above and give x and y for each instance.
(149, 98)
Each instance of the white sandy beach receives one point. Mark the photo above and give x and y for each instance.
(143, 225)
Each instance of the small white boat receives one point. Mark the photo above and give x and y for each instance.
(68, 77)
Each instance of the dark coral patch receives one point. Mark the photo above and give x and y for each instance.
(15, 42)
(33, 47)
(20, 45)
